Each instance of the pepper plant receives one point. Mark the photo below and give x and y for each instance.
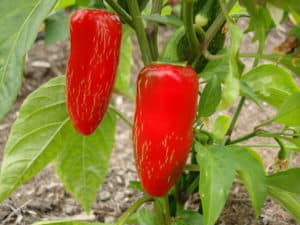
(183, 143)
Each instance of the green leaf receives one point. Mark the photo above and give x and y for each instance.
(288, 180)
(261, 16)
(188, 218)
(166, 11)
(146, 217)
(216, 177)
(289, 111)
(231, 90)
(31, 143)
(236, 38)
(218, 68)
(83, 3)
(288, 5)
(220, 127)
(19, 25)
(62, 222)
(63, 4)
(247, 91)
(290, 201)
(42, 131)
(124, 68)
(210, 97)
(251, 171)
(170, 20)
(83, 161)
(56, 28)
(271, 84)
(290, 61)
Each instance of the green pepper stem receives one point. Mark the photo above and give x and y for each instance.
(140, 31)
(167, 210)
(152, 29)
(188, 21)
(132, 209)
(121, 12)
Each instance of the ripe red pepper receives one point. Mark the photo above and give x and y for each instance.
(95, 37)
(162, 134)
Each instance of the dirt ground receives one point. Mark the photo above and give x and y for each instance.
(44, 198)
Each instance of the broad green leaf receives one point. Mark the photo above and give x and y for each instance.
(218, 68)
(31, 143)
(271, 84)
(289, 111)
(247, 91)
(290, 201)
(19, 24)
(83, 3)
(146, 217)
(251, 171)
(230, 91)
(220, 127)
(231, 88)
(290, 61)
(124, 68)
(236, 38)
(210, 97)
(63, 4)
(188, 218)
(216, 177)
(56, 27)
(288, 180)
(166, 11)
(170, 20)
(288, 5)
(83, 161)
(261, 16)
(64, 222)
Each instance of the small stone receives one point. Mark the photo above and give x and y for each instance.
(119, 180)
(119, 196)
(104, 195)
(70, 209)
(109, 219)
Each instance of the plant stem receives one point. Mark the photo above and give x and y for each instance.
(122, 117)
(121, 12)
(188, 21)
(167, 210)
(140, 31)
(243, 138)
(217, 24)
(236, 115)
(132, 209)
(158, 212)
(282, 152)
(269, 146)
(152, 29)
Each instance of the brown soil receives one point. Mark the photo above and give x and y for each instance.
(44, 198)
